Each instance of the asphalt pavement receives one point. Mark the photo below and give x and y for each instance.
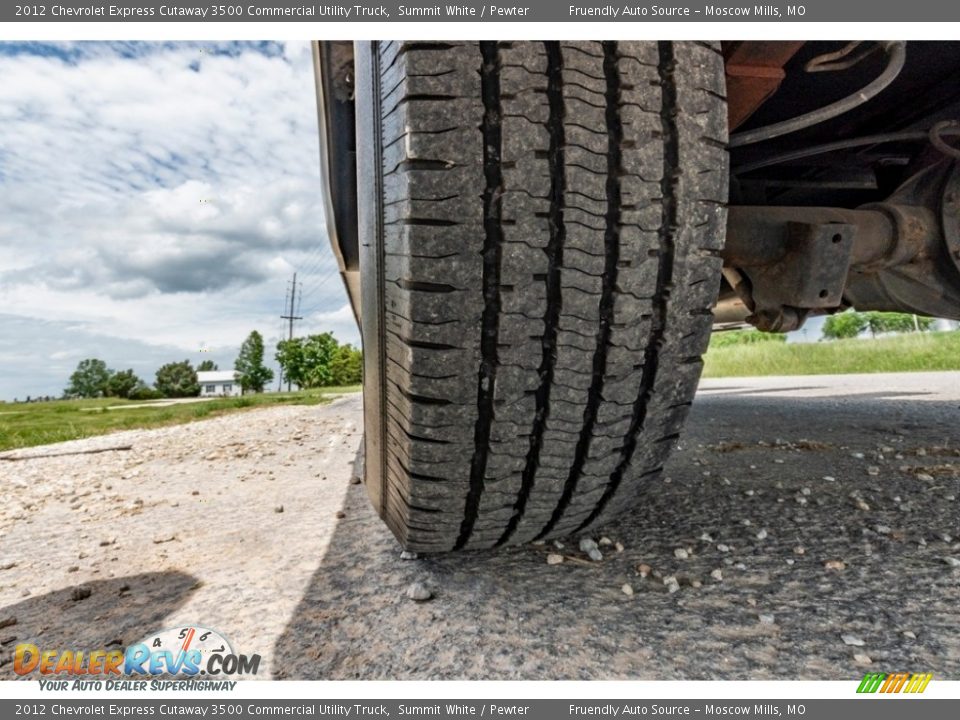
(805, 528)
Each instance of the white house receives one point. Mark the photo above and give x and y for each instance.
(218, 382)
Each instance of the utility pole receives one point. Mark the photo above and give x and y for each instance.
(290, 316)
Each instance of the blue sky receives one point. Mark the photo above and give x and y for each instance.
(154, 200)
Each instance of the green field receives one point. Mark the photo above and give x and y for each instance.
(28, 424)
(899, 353)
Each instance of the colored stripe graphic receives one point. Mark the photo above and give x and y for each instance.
(894, 682)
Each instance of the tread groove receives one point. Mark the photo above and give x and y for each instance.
(552, 281)
(493, 241)
(611, 242)
(666, 239)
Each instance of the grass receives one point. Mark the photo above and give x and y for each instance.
(29, 424)
(898, 353)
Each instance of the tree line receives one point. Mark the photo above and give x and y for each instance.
(850, 324)
(308, 362)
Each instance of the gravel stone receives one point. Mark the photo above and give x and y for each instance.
(587, 544)
(554, 559)
(852, 640)
(419, 592)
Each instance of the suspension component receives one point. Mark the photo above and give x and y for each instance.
(903, 253)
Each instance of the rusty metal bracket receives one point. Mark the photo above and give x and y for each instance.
(754, 70)
(811, 275)
(881, 256)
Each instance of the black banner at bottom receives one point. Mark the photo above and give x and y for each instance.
(875, 707)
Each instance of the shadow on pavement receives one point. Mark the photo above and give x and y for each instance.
(101, 614)
(781, 564)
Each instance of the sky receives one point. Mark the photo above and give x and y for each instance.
(155, 200)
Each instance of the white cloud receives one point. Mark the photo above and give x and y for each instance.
(159, 195)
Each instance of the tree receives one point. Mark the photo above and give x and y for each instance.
(290, 356)
(844, 325)
(346, 366)
(207, 366)
(178, 379)
(252, 374)
(122, 383)
(144, 392)
(891, 322)
(307, 361)
(89, 380)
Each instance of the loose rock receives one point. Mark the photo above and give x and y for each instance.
(419, 592)
(852, 640)
(587, 544)
(626, 589)
(554, 559)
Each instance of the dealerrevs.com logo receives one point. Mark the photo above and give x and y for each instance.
(189, 652)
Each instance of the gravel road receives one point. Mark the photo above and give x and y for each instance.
(807, 528)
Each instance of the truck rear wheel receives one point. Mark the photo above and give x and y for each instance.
(540, 230)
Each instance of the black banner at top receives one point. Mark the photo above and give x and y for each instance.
(73, 11)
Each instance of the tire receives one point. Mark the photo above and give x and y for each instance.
(540, 230)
